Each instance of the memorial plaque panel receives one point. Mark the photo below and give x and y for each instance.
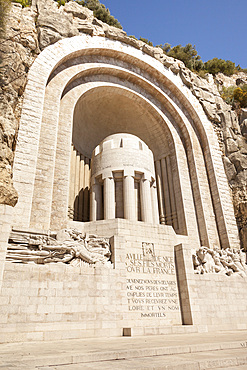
(151, 285)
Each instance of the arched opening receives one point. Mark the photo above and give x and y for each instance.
(104, 111)
(151, 94)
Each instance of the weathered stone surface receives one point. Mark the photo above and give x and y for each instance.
(227, 81)
(239, 161)
(77, 10)
(53, 23)
(244, 128)
(211, 110)
(115, 33)
(18, 49)
(229, 168)
(85, 27)
(231, 146)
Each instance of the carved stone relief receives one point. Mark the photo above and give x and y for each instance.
(222, 261)
(67, 246)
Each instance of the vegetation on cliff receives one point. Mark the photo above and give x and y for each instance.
(236, 96)
(99, 10)
(187, 54)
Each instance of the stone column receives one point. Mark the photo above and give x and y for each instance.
(77, 185)
(146, 202)
(81, 187)
(129, 198)
(160, 192)
(155, 204)
(168, 211)
(172, 195)
(86, 189)
(72, 182)
(96, 202)
(109, 198)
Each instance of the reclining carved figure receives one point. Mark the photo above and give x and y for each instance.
(69, 246)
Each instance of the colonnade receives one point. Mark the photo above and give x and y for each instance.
(139, 195)
(104, 200)
(124, 193)
(165, 190)
(78, 208)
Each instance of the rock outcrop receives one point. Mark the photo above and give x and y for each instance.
(30, 30)
(18, 49)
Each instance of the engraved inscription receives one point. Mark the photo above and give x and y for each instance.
(157, 265)
(155, 295)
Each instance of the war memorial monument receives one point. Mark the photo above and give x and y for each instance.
(124, 224)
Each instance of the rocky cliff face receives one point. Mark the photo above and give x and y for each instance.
(30, 30)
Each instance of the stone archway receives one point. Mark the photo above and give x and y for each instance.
(54, 101)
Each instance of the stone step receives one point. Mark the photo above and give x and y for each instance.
(207, 349)
(224, 359)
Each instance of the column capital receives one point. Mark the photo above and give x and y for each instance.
(107, 175)
(128, 172)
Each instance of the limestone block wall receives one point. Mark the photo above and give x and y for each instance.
(127, 242)
(5, 227)
(58, 302)
(47, 302)
(218, 301)
(215, 301)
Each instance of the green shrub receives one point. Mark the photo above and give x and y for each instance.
(216, 65)
(240, 95)
(146, 41)
(186, 54)
(227, 94)
(236, 96)
(24, 3)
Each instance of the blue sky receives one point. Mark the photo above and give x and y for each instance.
(218, 28)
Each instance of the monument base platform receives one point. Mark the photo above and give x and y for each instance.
(149, 288)
(172, 352)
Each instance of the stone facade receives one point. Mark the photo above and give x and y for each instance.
(118, 140)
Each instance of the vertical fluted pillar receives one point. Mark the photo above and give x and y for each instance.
(130, 212)
(72, 182)
(146, 203)
(166, 192)
(93, 204)
(96, 202)
(86, 189)
(109, 198)
(77, 185)
(81, 188)
(172, 195)
(155, 204)
(160, 192)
